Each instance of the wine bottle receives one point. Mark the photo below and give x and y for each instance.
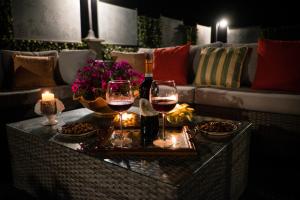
(145, 86)
(149, 117)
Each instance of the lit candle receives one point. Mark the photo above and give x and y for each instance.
(174, 141)
(48, 104)
(47, 96)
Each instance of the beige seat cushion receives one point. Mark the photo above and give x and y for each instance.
(136, 60)
(185, 93)
(33, 71)
(245, 98)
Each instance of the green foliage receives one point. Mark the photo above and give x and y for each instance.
(149, 32)
(108, 48)
(191, 34)
(187, 34)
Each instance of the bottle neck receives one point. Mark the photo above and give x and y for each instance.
(148, 67)
(148, 75)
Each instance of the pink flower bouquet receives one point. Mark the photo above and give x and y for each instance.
(91, 80)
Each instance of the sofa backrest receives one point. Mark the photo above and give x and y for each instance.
(71, 60)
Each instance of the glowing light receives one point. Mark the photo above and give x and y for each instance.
(223, 23)
(128, 119)
(127, 116)
(174, 141)
(47, 96)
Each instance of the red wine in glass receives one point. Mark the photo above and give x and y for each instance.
(163, 97)
(120, 106)
(119, 98)
(163, 105)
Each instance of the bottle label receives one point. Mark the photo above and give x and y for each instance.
(149, 122)
(148, 75)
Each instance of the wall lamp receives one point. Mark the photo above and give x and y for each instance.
(222, 24)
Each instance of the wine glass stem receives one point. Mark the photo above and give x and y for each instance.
(121, 127)
(163, 126)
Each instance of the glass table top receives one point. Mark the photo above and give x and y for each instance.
(173, 170)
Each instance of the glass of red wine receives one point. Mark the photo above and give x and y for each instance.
(119, 98)
(163, 97)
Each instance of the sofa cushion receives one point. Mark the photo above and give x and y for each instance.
(136, 60)
(30, 97)
(171, 63)
(221, 66)
(194, 56)
(33, 71)
(278, 66)
(186, 93)
(71, 60)
(249, 69)
(196, 51)
(8, 69)
(248, 99)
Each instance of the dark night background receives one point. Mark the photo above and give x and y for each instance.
(239, 13)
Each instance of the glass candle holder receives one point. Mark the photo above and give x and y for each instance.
(49, 108)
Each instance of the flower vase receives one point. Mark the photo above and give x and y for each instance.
(98, 105)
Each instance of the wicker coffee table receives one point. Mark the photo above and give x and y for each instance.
(43, 167)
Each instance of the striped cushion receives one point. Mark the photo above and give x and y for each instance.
(221, 66)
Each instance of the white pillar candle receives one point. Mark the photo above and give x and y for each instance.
(47, 96)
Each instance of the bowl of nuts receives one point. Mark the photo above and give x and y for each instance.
(217, 128)
(77, 129)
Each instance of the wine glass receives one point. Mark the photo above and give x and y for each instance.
(163, 97)
(119, 97)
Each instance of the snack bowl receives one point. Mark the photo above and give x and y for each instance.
(77, 130)
(217, 128)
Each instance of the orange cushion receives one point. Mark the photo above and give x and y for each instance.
(171, 63)
(33, 71)
(278, 66)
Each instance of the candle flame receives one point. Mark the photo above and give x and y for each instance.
(174, 140)
(127, 116)
(128, 119)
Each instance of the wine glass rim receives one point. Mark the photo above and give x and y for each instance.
(164, 81)
(119, 81)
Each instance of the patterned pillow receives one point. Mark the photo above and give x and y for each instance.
(220, 66)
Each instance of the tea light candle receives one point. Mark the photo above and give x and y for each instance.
(174, 141)
(47, 96)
